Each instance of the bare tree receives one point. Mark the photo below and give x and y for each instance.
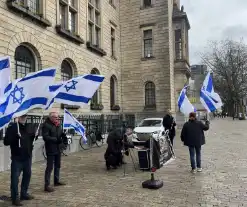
(228, 61)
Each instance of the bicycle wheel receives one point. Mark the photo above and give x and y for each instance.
(66, 151)
(44, 152)
(86, 145)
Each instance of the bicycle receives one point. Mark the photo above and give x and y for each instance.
(93, 138)
(64, 151)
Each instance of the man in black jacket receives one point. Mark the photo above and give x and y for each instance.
(192, 135)
(53, 137)
(117, 141)
(20, 137)
(169, 124)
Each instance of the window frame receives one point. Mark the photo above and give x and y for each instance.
(69, 9)
(178, 44)
(150, 95)
(32, 63)
(95, 100)
(70, 68)
(95, 23)
(113, 91)
(113, 42)
(147, 39)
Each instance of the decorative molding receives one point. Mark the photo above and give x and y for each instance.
(148, 25)
(115, 108)
(68, 35)
(113, 23)
(96, 49)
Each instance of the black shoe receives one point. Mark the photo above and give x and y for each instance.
(27, 197)
(108, 167)
(17, 202)
(59, 184)
(49, 189)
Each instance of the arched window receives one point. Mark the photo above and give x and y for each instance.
(113, 90)
(95, 98)
(150, 94)
(24, 61)
(66, 71)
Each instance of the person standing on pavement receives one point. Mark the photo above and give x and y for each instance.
(53, 137)
(192, 135)
(170, 124)
(20, 137)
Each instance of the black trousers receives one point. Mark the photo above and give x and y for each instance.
(114, 159)
(52, 160)
(17, 167)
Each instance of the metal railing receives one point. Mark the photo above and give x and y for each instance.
(102, 123)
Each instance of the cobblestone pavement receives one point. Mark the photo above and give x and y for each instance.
(223, 181)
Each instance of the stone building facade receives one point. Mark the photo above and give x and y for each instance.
(140, 46)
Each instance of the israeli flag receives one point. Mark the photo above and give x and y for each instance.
(27, 93)
(209, 99)
(184, 104)
(5, 75)
(70, 122)
(76, 91)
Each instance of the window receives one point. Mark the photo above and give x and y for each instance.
(62, 16)
(147, 3)
(33, 5)
(178, 44)
(95, 98)
(148, 43)
(68, 15)
(112, 2)
(66, 71)
(24, 61)
(113, 42)
(94, 22)
(150, 94)
(113, 89)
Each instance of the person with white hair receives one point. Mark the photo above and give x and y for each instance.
(53, 137)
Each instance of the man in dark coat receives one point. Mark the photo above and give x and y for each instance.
(117, 141)
(192, 135)
(53, 137)
(169, 124)
(20, 137)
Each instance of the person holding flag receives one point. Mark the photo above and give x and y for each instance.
(53, 137)
(192, 135)
(20, 137)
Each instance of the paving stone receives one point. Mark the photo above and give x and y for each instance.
(223, 181)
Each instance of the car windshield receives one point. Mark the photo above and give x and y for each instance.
(150, 123)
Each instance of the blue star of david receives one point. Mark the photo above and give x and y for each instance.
(17, 95)
(71, 85)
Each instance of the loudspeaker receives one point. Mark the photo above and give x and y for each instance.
(144, 159)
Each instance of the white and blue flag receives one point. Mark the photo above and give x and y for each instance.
(70, 122)
(5, 75)
(76, 91)
(27, 93)
(209, 99)
(184, 104)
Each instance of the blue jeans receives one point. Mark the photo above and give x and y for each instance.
(17, 167)
(195, 152)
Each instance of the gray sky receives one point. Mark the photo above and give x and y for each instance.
(214, 20)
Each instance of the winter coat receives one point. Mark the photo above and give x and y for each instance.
(169, 123)
(192, 134)
(21, 147)
(53, 137)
